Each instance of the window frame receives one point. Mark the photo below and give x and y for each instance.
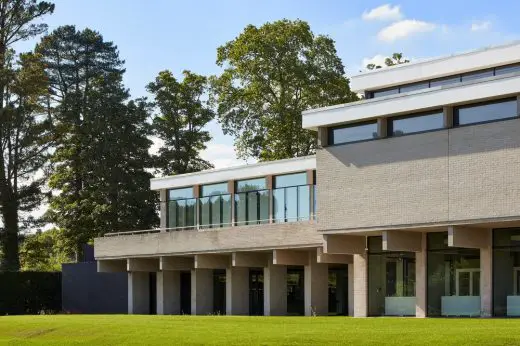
(330, 134)
(390, 125)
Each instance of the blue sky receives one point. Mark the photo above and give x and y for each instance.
(154, 35)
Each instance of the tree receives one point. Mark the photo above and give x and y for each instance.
(100, 161)
(24, 132)
(272, 74)
(181, 121)
(396, 59)
(45, 251)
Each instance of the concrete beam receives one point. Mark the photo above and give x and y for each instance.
(212, 261)
(402, 241)
(344, 244)
(176, 263)
(250, 259)
(290, 257)
(142, 264)
(467, 237)
(332, 258)
(111, 266)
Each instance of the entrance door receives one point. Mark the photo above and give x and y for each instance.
(338, 291)
(256, 292)
(152, 286)
(185, 293)
(295, 291)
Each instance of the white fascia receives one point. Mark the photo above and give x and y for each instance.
(256, 170)
(480, 90)
(436, 68)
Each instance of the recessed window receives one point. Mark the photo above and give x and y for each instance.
(214, 189)
(477, 75)
(430, 121)
(385, 92)
(413, 87)
(251, 185)
(484, 112)
(182, 193)
(507, 69)
(444, 81)
(353, 133)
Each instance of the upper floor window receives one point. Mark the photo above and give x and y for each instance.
(215, 206)
(413, 87)
(507, 69)
(476, 75)
(251, 202)
(385, 92)
(444, 81)
(291, 198)
(181, 208)
(484, 112)
(353, 133)
(408, 124)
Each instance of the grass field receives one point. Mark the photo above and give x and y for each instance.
(223, 330)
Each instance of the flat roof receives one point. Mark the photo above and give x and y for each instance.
(255, 170)
(412, 72)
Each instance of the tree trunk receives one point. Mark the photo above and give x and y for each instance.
(10, 259)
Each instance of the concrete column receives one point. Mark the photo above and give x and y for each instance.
(169, 293)
(237, 291)
(316, 286)
(201, 291)
(486, 277)
(382, 128)
(231, 190)
(138, 293)
(269, 184)
(448, 117)
(360, 287)
(163, 209)
(421, 279)
(275, 290)
(350, 287)
(323, 134)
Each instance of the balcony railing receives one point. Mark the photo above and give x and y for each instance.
(280, 205)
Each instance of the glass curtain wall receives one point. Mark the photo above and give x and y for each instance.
(215, 206)
(291, 198)
(181, 209)
(453, 278)
(391, 281)
(251, 202)
(506, 272)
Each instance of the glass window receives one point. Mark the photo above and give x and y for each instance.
(391, 281)
(290, 180)
(181, 213)
(415, 123)
(183, 193)
(507, 69)
(477, 75)
(353, 133)
(506, 272)
(386, 92)
(251, 185)
(453, 278)
(444, 81)
(414, 87)
(252, 207)
(483, 112)
(214, 189)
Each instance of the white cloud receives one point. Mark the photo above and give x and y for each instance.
(384, 12)
(403, 29)
(481, 26)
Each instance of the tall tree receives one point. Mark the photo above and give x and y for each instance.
(102, 149)
(395, 59)
(181, 121)
(44, 251)
(23, 129)
(272, 74)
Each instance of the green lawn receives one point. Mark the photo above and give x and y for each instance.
(223, 330)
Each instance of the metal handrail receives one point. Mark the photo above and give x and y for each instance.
(209, 226)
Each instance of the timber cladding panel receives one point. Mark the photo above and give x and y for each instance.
(464, 173)
(258, 237)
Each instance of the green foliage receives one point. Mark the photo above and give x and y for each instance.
(24, 129)
(180, 122)
(272, 74)
(396, 59)
(101, 156)
(45, 251)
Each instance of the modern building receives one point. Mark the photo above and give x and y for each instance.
(411, 207)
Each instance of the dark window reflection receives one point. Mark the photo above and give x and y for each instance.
(354, 133)
(416, 123)
(483, 112)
